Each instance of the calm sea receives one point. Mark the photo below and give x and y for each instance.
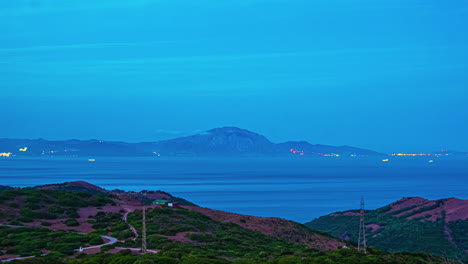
(295, 189)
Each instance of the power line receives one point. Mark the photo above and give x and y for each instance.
(362, 229)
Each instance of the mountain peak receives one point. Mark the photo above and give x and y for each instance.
(232, 130)
(222, 141)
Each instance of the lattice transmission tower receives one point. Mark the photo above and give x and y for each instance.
(143, 233)
(362, 229)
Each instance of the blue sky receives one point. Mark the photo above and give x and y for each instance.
(389, 75)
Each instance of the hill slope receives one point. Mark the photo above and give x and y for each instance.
(184, 235)
(87, 208)
(276, 227)
(411, 224)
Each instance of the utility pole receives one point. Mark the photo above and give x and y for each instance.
(362, 229)
(143, 233)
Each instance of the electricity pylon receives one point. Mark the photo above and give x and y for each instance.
(362, 229)
(143, 233)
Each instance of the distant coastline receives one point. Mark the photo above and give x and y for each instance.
(218, 142)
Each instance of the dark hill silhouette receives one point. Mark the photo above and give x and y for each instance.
(226, 141)
(218, 142)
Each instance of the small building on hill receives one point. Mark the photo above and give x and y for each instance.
(161, 202)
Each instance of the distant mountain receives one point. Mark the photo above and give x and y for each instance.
(226, 141)
(218, 142)
(450, 152)
(73, 147)
(323, 150)
(411, 224)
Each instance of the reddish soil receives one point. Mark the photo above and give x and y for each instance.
(374, 227)
(128, 202)
(418, 207)
(152, 196)
(455, 209)
(182, 238)
(134, 250)
(91, 251)
(85, 213)
(10, 210)
(277, 227)
(407, 202)
(75, 184)
(59, 224)
(351, 214)
(9, 256)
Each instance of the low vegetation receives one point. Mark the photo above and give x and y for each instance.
(397, 234)
(34, 241)
(26, 205)
(180, 235)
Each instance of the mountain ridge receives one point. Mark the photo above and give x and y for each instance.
(217, 142)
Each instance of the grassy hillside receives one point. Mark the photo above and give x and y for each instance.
(403, 227)
(4, 188)
(34, 241)
(179, 235)
(188, 237)
(26, 205)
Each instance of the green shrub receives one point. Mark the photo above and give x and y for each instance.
(97, 240)
(13, 205)
(72, 222)
(26, 219)
(107, 247)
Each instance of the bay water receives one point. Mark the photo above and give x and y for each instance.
(294, 189)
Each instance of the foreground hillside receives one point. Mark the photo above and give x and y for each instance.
(411, 224)
(81, 223)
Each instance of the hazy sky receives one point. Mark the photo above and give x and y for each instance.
(389, 75)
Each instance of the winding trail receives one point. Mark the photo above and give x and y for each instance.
(124, 217)
(19, 258)
(112, 240)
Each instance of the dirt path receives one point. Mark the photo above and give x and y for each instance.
(111, 240)
(448, 234)
(18, 258)
(129, 225)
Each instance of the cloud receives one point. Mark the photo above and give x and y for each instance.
(33, 7)
(40, 7)
(83, 46)
(162, 134)
(223, 74)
